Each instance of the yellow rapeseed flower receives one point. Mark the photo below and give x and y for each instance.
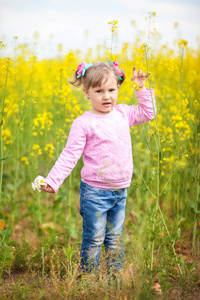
(114, 25)
(36, 147)
(183, 43)
(1, 45)
(25, 160)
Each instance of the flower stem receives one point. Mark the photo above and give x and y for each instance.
(171, 240)
(197, 180)
(1, 131)
(111, 47)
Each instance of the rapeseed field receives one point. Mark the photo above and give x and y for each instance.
(40, 233)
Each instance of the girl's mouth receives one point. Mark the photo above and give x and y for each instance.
(106, 104)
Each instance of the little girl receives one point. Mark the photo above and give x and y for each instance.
(102, 135)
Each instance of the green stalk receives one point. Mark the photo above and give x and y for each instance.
(197, 180)
(178, 197)
(157, 139)
(171, 240)
(70, 197)
(181, 67)
(111, 47)
(152, 250)
(164, 223)
(112, 36)
(178, 175)
(1, 129)
(42, 255)
(148, 136)
(16, 178)
(1, 170)
(154, 196)
(157, 201)
(195, 219)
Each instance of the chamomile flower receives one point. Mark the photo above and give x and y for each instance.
(37, 183)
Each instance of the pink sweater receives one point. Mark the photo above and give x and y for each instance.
(105, 142)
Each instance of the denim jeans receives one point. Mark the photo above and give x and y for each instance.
(103, 213)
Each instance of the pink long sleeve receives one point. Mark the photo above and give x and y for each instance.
(105, 142)
(68, 157)
(145, 111)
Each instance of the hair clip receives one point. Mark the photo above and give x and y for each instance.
(115, 65)
(82, 68)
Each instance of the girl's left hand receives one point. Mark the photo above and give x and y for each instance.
(139, 77)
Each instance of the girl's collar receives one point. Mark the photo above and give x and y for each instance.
(106, 115)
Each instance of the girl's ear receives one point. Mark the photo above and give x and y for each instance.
(86, 93)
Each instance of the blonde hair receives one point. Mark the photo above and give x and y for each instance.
(95, 75)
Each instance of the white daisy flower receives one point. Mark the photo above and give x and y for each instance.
(38, 183)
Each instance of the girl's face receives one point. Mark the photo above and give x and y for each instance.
(104, 97)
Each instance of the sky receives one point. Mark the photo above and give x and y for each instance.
(81, 24)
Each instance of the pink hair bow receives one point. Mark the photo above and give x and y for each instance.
(115, 64)
(81, 69)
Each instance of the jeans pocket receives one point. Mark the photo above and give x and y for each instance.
(92, 192)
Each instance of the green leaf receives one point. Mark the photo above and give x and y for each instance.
(10, 186)
(5, 234)
(4, 158)
(56, 203)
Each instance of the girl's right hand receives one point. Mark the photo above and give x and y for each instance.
(48, 189)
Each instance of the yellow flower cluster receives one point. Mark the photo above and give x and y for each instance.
(41, 122)
(183, 43)
(144, 48)
(61, 136)
(7, 136)
(114, 25)
(25, 160)
(40, 105)
(50, 149)
(31, 96)
(36, 150)
(1, 45)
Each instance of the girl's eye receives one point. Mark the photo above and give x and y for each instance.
(99, 91)
(111, 90)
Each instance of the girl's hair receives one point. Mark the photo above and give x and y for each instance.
(96, 74)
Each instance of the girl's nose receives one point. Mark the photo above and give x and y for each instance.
(106, 95)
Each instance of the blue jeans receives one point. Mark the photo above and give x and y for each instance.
(103, 213)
